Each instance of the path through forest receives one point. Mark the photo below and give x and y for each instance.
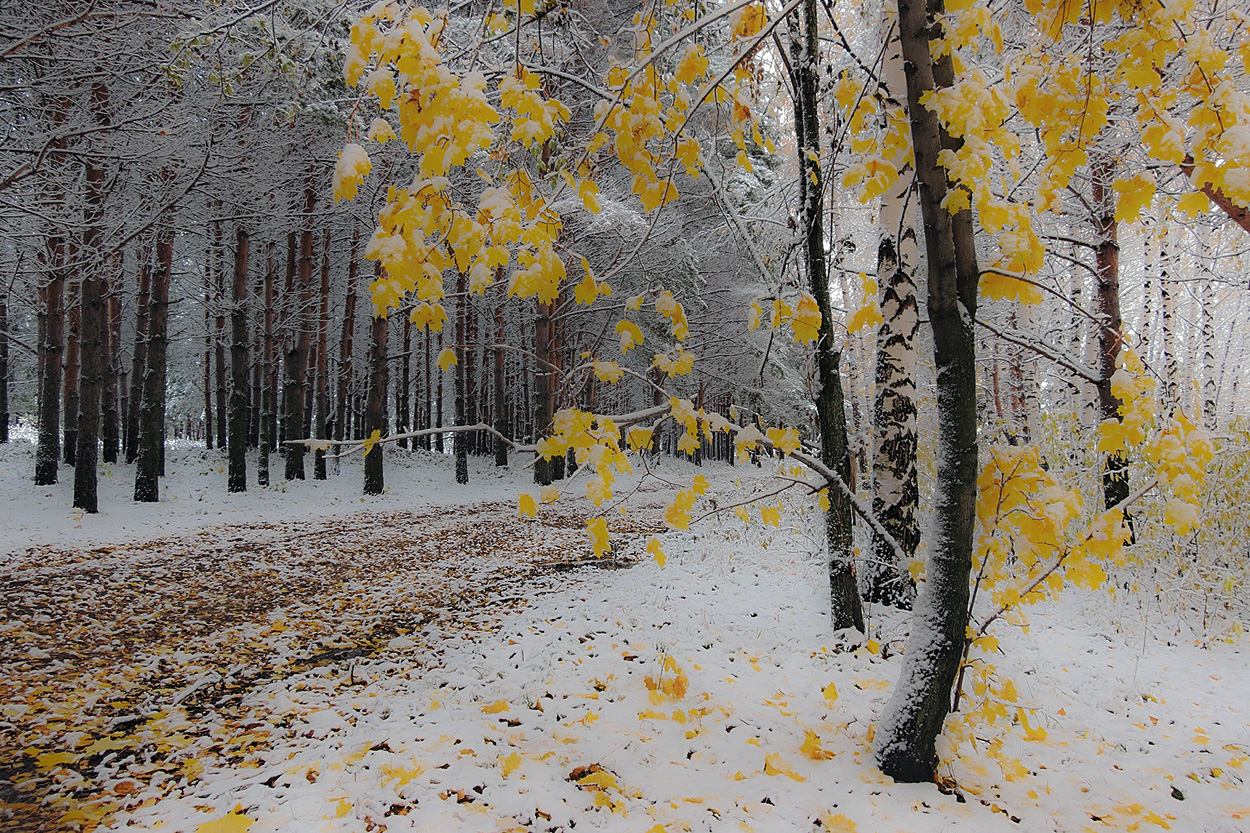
(114, 660)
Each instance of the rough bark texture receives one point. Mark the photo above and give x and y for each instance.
(73, 358)
(323, 363)
(297, 348)
(501, 402)
(461, 440)
(138, 362)
(542, 389)
(912, 720)
(268, 417)
(845, 608)
(111, 423)
(218, 271)
(151, 436)
(375, 408)
(345, 339)
(1107, 257)
(92, 322)
(236, 441)
(48, 452)
(4, 366)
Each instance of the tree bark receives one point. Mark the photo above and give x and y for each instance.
(908, 730)
(4, 365)
(375, 409)
(403, 387)
(73, 358)
(323, 363)
(297, 347)
(151, 436)
(92, 322)
(461, 439)
(1115, 485)
(138, 360)
(845, 608)
(236, 441)
(217, 258)
(542, 389)
(346, 336)
(52, 345)
(269, 382)
(113, 333)
(501, 402)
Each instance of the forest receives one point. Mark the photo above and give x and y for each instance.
(373, 375)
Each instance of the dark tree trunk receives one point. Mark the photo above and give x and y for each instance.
(908, 730)
(375, 410)
(427, 394)
(92, 322)
(845, 608)
(218, 271)
(501, 402)
(461, 439)
(542, 389)
(112, 338)
(151, 438)
(341, 413)
(438, 404)
(73, 359)
(210, 427)
(403, 387)
(297, 348)
(1115, 486)
(269, 382)
(236, 441)
(323, 363)
(138, 363)
(4, 365)
(51, 347)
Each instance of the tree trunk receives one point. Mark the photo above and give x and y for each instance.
(297, 347)
(151, 436)
(112, 339)
(218, 273)
(92, 323)
(345, 340)
(896, 492)
(908, 730)
(460, 441)
(73, 358)
(51, 346)
(138, 361)
(501, 403)
(375, 412)
(542, 389)
(4, 365)
(438, 404)
(269, 382)
(236, 442)
(210, 427)
(403, 387)
(845, 608)
(1107, 256)
(323, 363)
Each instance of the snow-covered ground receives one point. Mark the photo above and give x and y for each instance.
(706, 693)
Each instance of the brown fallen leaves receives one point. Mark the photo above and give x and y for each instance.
(117, 663)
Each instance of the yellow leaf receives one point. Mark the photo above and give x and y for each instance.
(589, 191)
(653, 547)
(630, 335)
(840, 824)
(806, 319)
(495, 707)
(342, 808)
(831, 693)
(528, 508)
(232, 823)
(598, 529)
(509, 764)
(447, 359)
(700, 484)
(1194, 203)
(774, 765)
(811, 747)
(771, 515)
(1134, 194)
(372, 440)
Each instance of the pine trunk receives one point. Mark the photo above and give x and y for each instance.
(269, 382)
(501, 403)
(346, 336)
(297, 348)
(4, 365)
(138, 361)
(51, 347)
(460, 440)
(236, 441)
(92, 323)
(543, 378)
(375, 410)
(73, 359)
(217, 258)
(111, 427)
(1115, 485)
(323, 363)
(151, 433)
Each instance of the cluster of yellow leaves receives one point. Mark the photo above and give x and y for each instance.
(596, 444)
(670, 684)
(993, 712)
(1179, 455)
(804, 317)
(868, 316)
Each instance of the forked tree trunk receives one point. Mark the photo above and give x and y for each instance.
(151, 436)
(375, 409)
(236, 442)
(845, 608)
(908, 729)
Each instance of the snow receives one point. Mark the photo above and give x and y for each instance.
(481, 727)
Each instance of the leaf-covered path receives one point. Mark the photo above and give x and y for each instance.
(117, 662)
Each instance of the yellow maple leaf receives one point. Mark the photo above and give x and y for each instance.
(509, 764)
(372, 440)
(495, 707)
(1133, 194)
(447, 359)
(609, 372)
(587, 291)
(839, 824)
(806, 319)
(831, 693)
(528, 508)
(232, 823)
(653, 547)
(774, 765)
(693, 64)
(589, 191)
(771, 515)
(630, 335)
(598, 529)
(811, 747)
(1194, 203)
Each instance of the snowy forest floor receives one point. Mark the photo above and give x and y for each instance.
(296, 659)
